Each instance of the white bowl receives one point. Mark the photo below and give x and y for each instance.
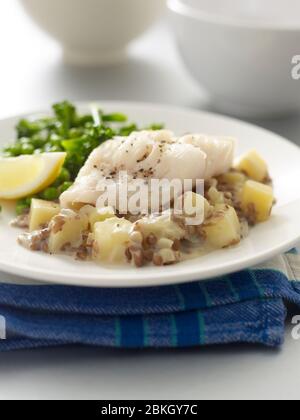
(94, 31)
(241, 52)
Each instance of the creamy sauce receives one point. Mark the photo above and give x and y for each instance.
(196, 251)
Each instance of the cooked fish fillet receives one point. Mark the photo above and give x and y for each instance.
(147, 155)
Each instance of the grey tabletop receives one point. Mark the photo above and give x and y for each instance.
(32, 76)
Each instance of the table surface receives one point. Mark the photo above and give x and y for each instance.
(32, 76)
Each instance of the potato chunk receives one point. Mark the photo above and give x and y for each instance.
(161, 227)
(254, 166)
(111, 239)
(66, 230)
(97, 215)
(257, 201)
(41, 212)
(233, 178)
(223, 228)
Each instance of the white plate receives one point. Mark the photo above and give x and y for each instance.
(265, 241)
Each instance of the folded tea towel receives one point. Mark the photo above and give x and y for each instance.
(245, 307)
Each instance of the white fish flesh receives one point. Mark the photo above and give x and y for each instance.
(148, 155)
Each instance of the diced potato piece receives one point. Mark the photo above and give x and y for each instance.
(111, 239)
(161, 227)
(254, 166)
(164, 243)
(233, 178)
(235, 182)
(223, 228)
(257, 201)
(167, 256)
(97, 215)
(66, 230)
(41, 212)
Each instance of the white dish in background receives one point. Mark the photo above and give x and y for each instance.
(279, 13)
(94, 32)
(241, 52)
(265, 241)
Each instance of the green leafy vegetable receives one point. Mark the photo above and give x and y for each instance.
(117, 118)
(66, 115)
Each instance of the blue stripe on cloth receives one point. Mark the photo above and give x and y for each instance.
(96, 301)
(118, 332)
(193, 295)
(181, 297)
(275, 284)
(202, 329)
(160, 331)
(132, 332)
(234, 292)
(255, 322)
(220, 288)
(70, 329)
(174, 330)
(188, 330)
(253, 277)
(245, 286)
(146, 332)
(204, 291)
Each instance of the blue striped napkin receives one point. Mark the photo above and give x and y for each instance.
(246, 307)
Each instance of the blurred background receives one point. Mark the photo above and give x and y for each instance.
(37, 70)
(33, 75)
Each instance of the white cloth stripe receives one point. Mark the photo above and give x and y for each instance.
(294, 264)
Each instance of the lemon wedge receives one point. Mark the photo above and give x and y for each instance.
(26, 175)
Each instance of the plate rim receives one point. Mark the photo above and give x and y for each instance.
(170, 280)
